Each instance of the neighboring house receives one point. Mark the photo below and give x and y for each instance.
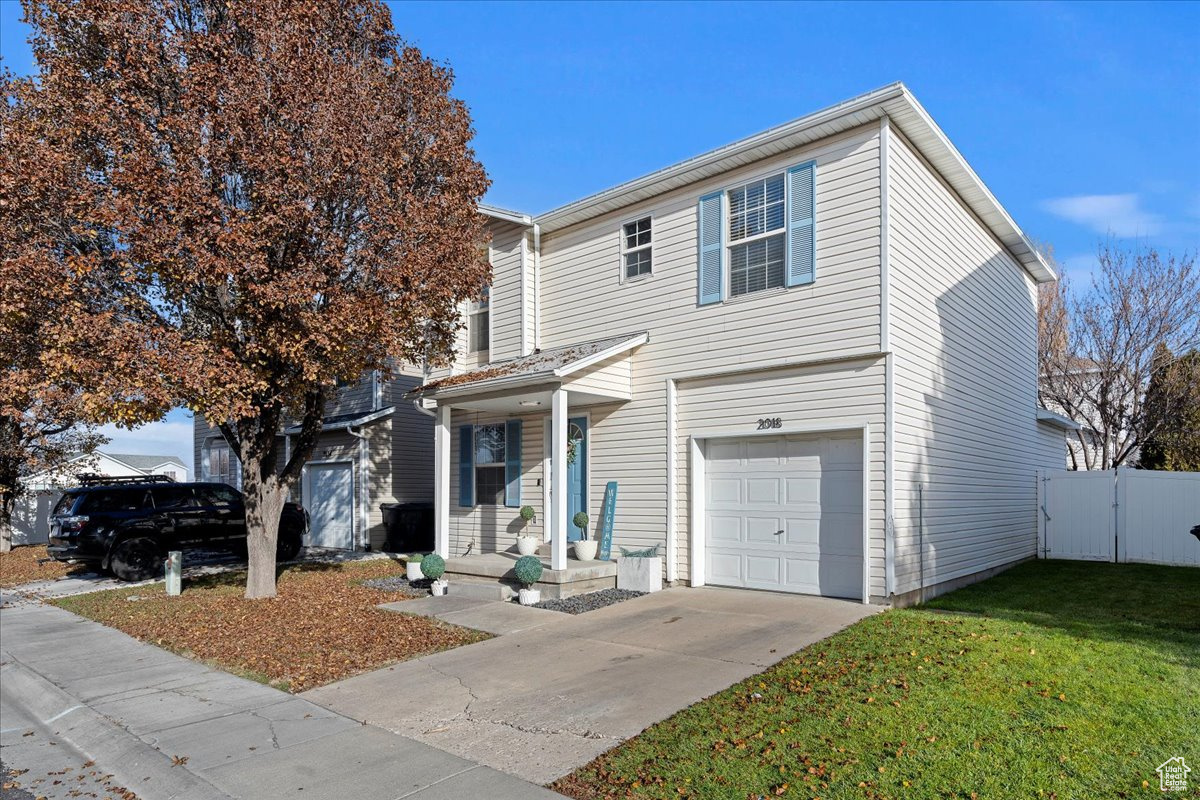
(1086, 447)
(31, 517)
(808, 359)
(375, 448)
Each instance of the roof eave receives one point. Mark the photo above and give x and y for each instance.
(894, 100)
(505, 215)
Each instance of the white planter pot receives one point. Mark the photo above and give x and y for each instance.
(640, 574)
(528, 597)
(527, 545)
(439, 588)
(585, 549)
(412, 570)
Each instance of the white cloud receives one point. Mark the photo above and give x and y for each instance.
(1120, 215)
(157, 438)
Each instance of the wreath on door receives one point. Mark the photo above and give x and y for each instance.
(574, 437)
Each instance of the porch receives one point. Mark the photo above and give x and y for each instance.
(491, 576)
(510, 453)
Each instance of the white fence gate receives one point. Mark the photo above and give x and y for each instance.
(1120, 515)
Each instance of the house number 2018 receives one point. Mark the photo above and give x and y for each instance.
(766, 423)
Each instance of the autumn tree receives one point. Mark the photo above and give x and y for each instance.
(47, 312)
(292, 200)
(1100, 345)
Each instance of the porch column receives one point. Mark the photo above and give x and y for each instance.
(558, 480)
(441, 482)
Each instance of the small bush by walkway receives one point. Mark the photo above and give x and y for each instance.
(322, 627)
(1054, 679)
(30, 563)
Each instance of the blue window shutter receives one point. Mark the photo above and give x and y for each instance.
(801, 204)
(512, 463)
(466, 466)
(711, 271)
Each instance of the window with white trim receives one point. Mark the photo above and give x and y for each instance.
(489, 465)
(636, 248)
(479, 322)
(222, 464)
(756, 236)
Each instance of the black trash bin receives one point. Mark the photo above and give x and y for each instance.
(409, 527)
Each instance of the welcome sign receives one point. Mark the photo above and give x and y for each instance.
(607, 512)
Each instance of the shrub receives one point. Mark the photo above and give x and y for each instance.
(528, 569)
(415, 558)
(527, 513)
(433, 566)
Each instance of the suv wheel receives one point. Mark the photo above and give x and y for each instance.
(288, 545)
(136, 560)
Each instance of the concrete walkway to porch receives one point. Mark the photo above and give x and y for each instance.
(542, 700)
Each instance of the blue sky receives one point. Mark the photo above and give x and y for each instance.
(1083, 119)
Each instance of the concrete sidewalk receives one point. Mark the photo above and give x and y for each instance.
(553, 692)
(73, 692)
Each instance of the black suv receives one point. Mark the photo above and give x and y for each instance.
(128, 525)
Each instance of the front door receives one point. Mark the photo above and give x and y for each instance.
(577, 455)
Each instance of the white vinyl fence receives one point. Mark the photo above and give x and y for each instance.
(1119, 515)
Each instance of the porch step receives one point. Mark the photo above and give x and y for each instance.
(473, 589)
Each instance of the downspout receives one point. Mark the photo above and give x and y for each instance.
(537, 287)
(417, 403)
(364, 497)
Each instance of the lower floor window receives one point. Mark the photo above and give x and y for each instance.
(756, 265)
(222, 466)
(489, 486)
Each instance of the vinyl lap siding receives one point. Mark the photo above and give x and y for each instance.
(831, 397)
(963, 330)
(836, 316)
(1052, 447)
(507, 266)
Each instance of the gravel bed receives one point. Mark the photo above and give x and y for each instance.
(581, 603)
(401, 584)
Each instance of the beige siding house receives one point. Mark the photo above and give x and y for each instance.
(375, 448)
(806, 359)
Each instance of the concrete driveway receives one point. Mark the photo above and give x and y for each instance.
(541, 701)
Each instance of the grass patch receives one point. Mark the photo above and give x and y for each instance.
(323, 625)
(1054, 679)
(30, 563)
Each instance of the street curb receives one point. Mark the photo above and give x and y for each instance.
(133, 763)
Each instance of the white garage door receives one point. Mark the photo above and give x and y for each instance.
(331, 506)
(785, 513)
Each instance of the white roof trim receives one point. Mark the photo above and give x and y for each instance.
(607, 353)
(495, 212)
(1057, 420)
(894, 101)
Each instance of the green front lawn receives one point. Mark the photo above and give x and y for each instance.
(1054, 679)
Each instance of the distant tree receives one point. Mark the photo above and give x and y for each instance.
(290, 199)
(1100, 346)
(1175, 445)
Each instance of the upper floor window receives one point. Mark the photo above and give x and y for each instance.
(479, 322)
(756, 236)
(635, 247)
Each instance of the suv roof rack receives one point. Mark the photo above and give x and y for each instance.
(105, 480)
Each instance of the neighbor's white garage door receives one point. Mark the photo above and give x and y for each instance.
(331, 506)
(785, 513)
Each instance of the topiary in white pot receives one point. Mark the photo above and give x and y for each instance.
(528, 570)
(527, 543)
(433, 567)
(585, 548)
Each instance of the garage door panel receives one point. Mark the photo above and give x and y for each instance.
(725, 490)
(762, 490)
(764, 569)
(809, 487)
(725, 529)
(763, 451)
(761, 530)
(725, 568)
